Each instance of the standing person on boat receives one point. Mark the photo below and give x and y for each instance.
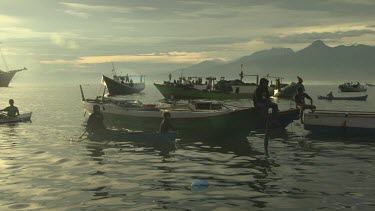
(170, 77)
(12, 111)
(262, 98)
(95, 121)
(300, 100)
(166, 124)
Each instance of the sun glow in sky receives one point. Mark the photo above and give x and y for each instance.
(68, 40)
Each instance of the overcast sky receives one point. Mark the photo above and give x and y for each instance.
(71, 40)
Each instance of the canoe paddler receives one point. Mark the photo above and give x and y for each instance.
(95, 121)
(12, 111)
(166, 124)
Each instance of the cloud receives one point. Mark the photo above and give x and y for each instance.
(59, 40)
(9, 20)
(312, 36)
(76, 9)
(170, 57)
(77, 14)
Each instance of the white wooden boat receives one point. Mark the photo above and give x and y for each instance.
(195, 118)
(340, 122)
(20, 118)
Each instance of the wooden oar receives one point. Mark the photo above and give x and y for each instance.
(266, 133)
(82, 134)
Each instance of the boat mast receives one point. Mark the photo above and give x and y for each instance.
(113, 69)
(5, 62)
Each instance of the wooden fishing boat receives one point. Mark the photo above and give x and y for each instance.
(340, 122)
(20, 118)
(195, 118)
(370, 85)
(121, 85)
(350, 87)
(134, 136)
(358, 98)
(180, 91)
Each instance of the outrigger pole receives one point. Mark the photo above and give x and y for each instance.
(82, 95)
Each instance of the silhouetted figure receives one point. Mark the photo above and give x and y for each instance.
(300, 100)
(300, 81)
(330, 95)
(95, 121)
(241, 75)
(127, 78)
(166, 124)
(131, 82)
(170, 77)
(262, 98)
(12, 111)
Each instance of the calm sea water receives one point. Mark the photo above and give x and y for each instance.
(44, 167)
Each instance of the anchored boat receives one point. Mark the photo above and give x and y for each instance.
(350, 87)
(340, 122)
(122, 85)
(201, 118)
(7, 76)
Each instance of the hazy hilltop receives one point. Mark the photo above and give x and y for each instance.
(316, 62)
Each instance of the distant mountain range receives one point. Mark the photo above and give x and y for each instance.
(316, 62)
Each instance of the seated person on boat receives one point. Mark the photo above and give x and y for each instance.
(262, 98)
(95, 121)
(300, 100)
(330, 95)
(12, 111)
(166, 124)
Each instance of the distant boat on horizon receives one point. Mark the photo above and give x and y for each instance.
(352, 87)
(123, 85)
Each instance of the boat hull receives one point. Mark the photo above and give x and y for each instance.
(230, 122)
(358, 98)
(183, 92)
(117, 88)
(340, 123)
(21, 118)
(6, 78)
(140, 137)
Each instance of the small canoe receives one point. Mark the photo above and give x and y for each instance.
(20, 118)
(370, 85)
(138, 136)
(359, 98)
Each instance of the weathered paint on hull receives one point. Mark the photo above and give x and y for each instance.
(116, 88)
